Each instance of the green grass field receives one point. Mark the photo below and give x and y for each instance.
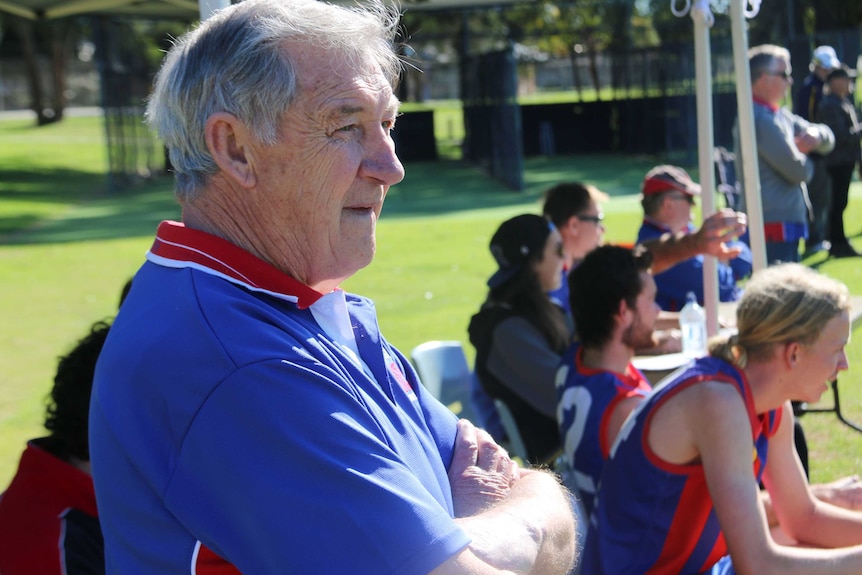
(66, 248)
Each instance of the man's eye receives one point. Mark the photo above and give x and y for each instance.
(348, 128)
(388, 125)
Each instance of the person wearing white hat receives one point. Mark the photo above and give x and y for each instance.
(805, 103)
(839, 113)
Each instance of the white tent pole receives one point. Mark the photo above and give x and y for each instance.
(747, 140)
(207, 7)
(703, 20)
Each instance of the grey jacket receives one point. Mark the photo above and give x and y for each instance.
(784, 170)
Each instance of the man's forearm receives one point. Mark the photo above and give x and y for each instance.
(670, 249)
(532, 531)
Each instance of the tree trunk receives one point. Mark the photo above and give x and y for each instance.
(26, 34)
(594, 70)
(60, 47)
(576, 73)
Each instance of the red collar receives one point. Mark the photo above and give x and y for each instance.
(177, 246)
(765, 104)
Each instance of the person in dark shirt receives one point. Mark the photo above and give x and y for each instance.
(837, 111)
(519, 333)
(805, 103)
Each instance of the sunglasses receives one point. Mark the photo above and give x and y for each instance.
(586, 218)
(786, 74)
(685, 197)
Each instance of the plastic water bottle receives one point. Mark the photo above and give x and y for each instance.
(692, 324)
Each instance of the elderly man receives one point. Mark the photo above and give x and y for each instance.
(247, 414)
(575, 208)
(667, 196)
(784, 143)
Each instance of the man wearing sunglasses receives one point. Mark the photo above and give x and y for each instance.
(784, 143)
(667, 196)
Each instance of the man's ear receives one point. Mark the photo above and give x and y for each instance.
(624, 314)
(228, 141)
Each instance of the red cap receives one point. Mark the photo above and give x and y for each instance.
(666, 178)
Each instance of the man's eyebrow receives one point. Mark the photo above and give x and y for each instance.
(348, 109)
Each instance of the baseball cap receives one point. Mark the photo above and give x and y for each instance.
(843, 71)
(513, 243)
(666, 178)
(825, 57)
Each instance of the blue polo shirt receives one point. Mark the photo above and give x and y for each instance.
(673, 284)
(239, 411)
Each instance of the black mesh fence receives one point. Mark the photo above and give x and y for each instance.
(492, 117)
(133, 152)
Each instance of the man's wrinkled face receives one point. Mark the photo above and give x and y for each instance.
(329, 173)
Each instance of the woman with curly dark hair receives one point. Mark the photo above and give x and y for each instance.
(48, 519)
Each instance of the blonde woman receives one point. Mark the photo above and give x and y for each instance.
(680, 494)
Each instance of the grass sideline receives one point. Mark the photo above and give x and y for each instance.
(66, 248)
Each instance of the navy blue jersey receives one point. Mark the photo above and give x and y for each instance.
(655, 517)
(587, 399)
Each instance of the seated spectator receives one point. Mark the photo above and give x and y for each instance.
(519, 333)
(48, 518)
(613, 302)
(668, 196)
(575, 209)
(613, 299)
(680, 490)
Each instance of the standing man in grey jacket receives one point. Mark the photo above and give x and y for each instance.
(784, 142)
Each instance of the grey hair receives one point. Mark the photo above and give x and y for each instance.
(781, 304)
(761, 59)
(235, 62)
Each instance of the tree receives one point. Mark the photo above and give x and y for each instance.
(54, 41)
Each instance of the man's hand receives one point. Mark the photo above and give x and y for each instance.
(807, 140)
(481, 473)
(717, 230)
(665, 341)
(519, 521)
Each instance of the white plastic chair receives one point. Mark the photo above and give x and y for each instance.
(445, 373)
(515, 443)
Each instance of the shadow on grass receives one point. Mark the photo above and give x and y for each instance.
(51, 185)
(131, 213)
(436, 188)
